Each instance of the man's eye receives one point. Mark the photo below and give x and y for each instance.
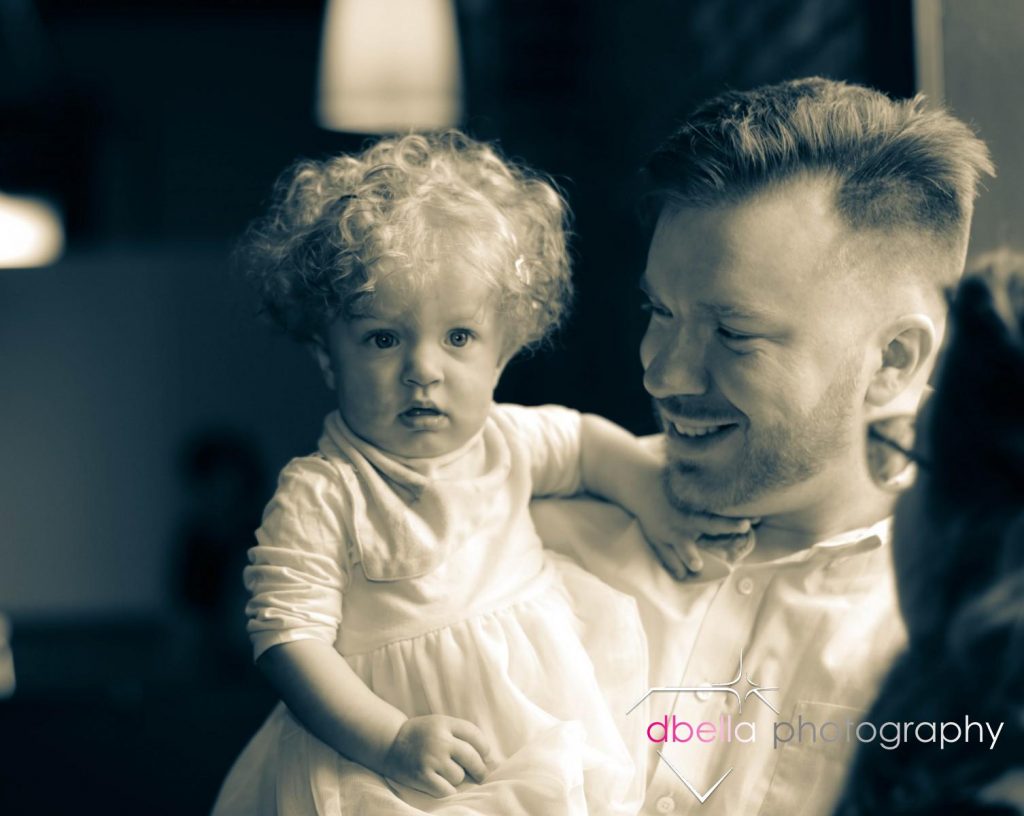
(383, 340)
(732, 336)
(655, 309)
(459, 337)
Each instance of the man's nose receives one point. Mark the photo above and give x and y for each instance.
(674, 365)
(422, 366)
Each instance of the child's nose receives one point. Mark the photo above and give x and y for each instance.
(422, 366)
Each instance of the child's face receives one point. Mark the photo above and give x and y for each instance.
(415, 372)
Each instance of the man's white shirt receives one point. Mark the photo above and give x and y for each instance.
(816, 631)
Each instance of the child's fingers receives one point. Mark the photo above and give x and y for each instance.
(469, 758)
(437, 785)
(733, 548)
(467, 731)
(718, 525)
(452, 772)
(742, 546)
(670, 560)
(688, 554)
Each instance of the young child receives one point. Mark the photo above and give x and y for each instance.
(430, 656)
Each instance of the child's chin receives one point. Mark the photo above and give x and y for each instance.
(427, 445)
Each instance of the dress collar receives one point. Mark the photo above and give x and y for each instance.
(405, 469)
(408, 515)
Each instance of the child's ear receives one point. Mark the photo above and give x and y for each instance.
(908, 346)
(500, 369)
(323, 361)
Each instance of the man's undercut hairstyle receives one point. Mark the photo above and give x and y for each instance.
(896, 165)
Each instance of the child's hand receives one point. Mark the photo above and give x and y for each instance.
(676, 536)
(433, 754)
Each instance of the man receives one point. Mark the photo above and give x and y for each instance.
(805, 234)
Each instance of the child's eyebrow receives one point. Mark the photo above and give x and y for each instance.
(476, 319)
(365, 314)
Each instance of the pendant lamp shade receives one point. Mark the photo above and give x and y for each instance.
(388, 66)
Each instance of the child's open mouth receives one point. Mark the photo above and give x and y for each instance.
(421, 412)
(423, 417)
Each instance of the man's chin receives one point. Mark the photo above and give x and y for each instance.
(695, 489)
(692, 490)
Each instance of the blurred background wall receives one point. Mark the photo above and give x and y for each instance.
(159, 128)
(979, 53)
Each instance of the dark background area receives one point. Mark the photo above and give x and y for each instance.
(159, 128)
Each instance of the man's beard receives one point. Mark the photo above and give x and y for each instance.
(772, 458)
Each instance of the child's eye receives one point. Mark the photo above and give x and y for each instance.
(383, 339)
(460, 337)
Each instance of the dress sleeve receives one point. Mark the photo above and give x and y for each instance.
(551, 435)
(298, 569)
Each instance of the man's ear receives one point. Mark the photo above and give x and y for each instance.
(908, 346)
(323, 361)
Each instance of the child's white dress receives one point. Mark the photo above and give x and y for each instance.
(428, 576)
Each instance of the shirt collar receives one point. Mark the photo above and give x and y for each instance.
(880, 530)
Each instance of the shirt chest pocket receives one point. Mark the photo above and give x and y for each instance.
(815, 748)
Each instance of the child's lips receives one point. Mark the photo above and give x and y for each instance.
(422, 409)
(423, 418)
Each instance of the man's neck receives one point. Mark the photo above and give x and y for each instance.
(784, 533)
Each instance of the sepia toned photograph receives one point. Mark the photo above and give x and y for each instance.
(511, 407)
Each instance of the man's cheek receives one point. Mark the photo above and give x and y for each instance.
(744, 389)
(771, 390)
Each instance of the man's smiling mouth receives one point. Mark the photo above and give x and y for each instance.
(694, 430)
(688, 432)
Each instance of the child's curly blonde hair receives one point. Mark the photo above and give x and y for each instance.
(409, 204)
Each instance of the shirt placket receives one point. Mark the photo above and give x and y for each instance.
(714, 664)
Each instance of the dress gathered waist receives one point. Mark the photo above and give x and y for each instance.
(352, 641)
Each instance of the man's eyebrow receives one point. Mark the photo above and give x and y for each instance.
(717, 309)
(731, 310)
(734, 311)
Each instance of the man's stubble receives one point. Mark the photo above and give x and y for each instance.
(773, 458)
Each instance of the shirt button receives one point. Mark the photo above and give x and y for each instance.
(703, 695)
(745, 586)
(666, 804)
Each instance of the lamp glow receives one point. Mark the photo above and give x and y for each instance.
(6, 659)
(389, 66)
(31, 232)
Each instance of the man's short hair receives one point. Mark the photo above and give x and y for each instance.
(897, 165)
